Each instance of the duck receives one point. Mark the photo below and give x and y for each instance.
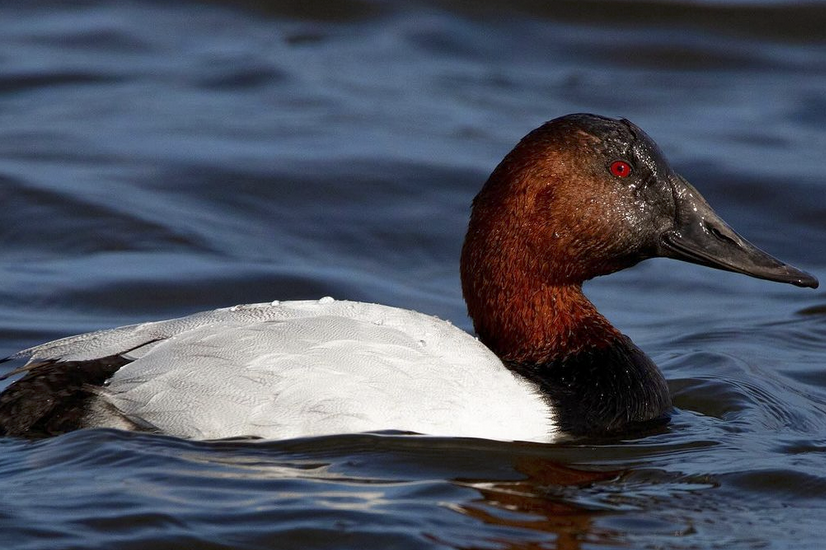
(579, 197)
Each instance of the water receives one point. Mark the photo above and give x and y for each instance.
(158, 159)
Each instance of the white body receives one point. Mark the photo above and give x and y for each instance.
(307, 368)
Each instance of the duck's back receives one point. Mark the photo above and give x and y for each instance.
(307, 368)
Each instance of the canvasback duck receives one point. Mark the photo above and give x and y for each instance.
(580, 196)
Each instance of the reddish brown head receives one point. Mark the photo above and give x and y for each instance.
(578, 197)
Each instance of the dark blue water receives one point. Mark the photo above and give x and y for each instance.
(158, 159)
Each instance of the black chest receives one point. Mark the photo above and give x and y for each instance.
(601, 390)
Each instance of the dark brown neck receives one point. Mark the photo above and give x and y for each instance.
(527, 321)
(551, 323)
(596, 379)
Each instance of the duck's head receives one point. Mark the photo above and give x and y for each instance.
(585, 195)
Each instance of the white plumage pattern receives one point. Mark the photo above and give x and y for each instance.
(306, 368)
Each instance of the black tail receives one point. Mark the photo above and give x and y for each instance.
(53, 397)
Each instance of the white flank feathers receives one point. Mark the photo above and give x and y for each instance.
(294, 369)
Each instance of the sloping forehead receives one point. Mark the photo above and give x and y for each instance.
(596, 127)
(621, 138)
(644, 149)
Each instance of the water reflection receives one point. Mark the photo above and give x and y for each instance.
(538, 503)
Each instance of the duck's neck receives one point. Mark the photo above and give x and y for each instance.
(596, 379)
(539, 325)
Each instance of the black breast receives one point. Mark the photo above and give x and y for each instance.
(602, 390)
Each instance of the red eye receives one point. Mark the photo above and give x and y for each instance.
(621, 169)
